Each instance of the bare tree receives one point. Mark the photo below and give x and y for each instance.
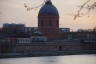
(36, 7)
(88, 5)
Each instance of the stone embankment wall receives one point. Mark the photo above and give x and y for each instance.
(47, 46)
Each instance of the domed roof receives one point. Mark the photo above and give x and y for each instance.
(48, 9)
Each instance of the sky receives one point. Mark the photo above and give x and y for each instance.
(13, 11)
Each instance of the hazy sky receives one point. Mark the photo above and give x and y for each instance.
(13, 11)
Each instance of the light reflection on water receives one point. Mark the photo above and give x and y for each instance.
(72, 59)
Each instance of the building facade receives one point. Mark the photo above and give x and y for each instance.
(48, 20)
(47, 37)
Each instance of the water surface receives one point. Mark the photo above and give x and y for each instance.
(71, 59)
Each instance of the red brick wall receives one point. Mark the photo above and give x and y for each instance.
(50, 31)
(35, 48)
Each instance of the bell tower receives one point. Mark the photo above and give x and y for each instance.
(48, 20)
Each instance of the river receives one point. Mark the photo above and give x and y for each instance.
(71, 59)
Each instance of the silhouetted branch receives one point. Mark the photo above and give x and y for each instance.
(31, 8)
(87, 6)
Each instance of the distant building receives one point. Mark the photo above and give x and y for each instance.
(23, 40)
(65, 29)
(7, 45)
(28, 29)
(46, 37)
(80, 36)
(38, 37)
(13, 28)
(0, 30)
(48, 21)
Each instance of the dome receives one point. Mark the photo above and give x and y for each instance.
(48, 9)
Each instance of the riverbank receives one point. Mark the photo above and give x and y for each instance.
(46, 53)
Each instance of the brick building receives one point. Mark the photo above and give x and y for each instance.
(27, 39)
(48, 20)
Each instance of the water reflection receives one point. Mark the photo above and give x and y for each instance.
(72, 59)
